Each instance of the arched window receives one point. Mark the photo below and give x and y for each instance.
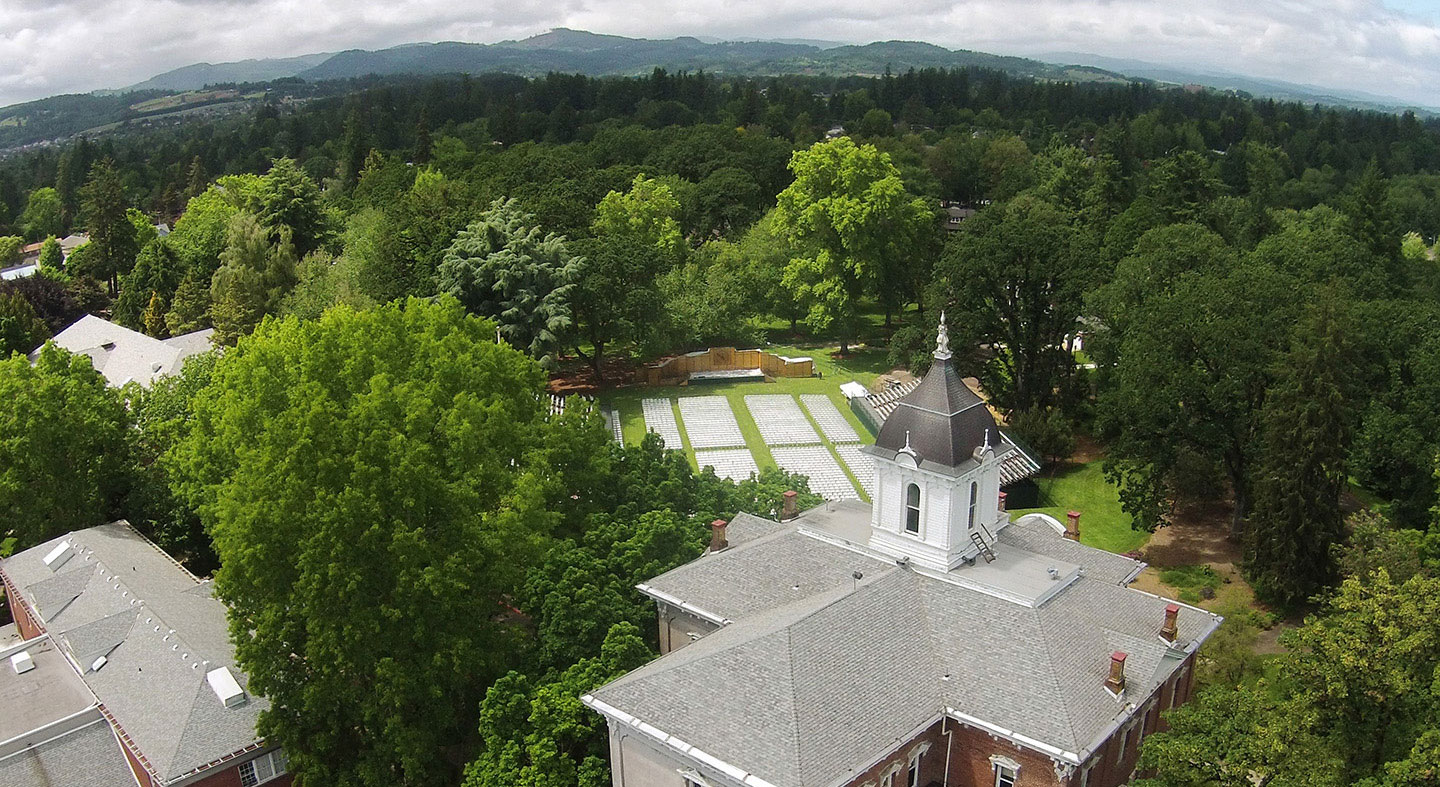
(974, 500)
(912, 509)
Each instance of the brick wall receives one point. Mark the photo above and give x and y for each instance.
(26, 621)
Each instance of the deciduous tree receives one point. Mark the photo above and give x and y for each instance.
(375, 485)
(64, 446)
(849, 216)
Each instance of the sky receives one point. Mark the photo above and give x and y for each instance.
(1384, 47)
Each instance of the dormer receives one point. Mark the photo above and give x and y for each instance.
(937, 471)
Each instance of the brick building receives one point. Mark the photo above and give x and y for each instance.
(120, 672)
(924, 639)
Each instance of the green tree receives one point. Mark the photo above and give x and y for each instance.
(849, 217)
(1195, 385)
(502, 267)
(1018, 273)
(324, 281)
(646, 213)
(253, 278)
(113, 244)
(163, 416)
(539, 734)
(200, 232)
(374, 482)
(21, 329)
(44, 215)
(52, 257)
(157, 272)
(287, 198)
(190, 308)
(65, 453)
(617, 295)
(10, 246)
(1307, 423)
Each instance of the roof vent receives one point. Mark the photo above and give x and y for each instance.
(59, 555)
(98, 663)
(225, 687)
(22, 662)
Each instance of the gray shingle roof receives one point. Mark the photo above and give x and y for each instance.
(88, 757)
(123, 355)
(161, 631)
(818, 673)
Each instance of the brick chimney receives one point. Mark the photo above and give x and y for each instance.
(1072, 525)
(1116, 682)
(1002, 502)
(1171, 629)
(717, 535)
(788, 509)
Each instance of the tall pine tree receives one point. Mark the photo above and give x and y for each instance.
(1308, 421)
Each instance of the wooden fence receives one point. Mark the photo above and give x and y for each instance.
(673, 371)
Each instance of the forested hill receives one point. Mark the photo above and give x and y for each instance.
(600, 55)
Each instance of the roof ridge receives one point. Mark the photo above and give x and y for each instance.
(795, 706)
(1057, 690)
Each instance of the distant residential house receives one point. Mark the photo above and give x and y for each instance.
(835, 132)
(957, 212)
(125, 675)
(19, 271)
(926, 638)
(123, 355)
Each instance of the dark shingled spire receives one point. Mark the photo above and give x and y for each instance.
(942, 419)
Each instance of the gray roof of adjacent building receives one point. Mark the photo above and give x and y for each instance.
(160, 631)
(816, 673)
(122, 355)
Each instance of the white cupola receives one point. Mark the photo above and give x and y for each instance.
(937, 472)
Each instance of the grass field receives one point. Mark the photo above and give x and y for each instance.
(1083, 488)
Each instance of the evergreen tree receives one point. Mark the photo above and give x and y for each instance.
(153, 319)
(253, 278)
(21, 329)
(113, 239)
(1308, 420)
(157, 271)
(190, 308)
(502, 267)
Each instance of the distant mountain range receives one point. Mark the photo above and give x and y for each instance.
(183, 91)
(602, 55)
(1224, 80)
(599, 55)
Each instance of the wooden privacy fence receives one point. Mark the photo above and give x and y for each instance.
(672, 371)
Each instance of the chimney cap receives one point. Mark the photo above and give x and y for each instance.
(790, 493)
(1172, 608)
(719, 523)
(1073, 514)
(1118, 655)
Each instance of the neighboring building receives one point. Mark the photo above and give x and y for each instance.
(72, 242)
(925, 639)
(19, 271)
(131, 649)
(123, 355)
(957, 212)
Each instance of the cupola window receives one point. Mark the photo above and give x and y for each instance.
(974, 501)
(912, 509)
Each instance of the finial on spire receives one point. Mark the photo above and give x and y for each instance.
(907, 449)
(942, 342)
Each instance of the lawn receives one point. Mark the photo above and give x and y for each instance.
(1083, 488)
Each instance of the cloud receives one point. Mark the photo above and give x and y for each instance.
(58, 46)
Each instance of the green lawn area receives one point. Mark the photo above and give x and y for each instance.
(1083, 488)
(863, 365)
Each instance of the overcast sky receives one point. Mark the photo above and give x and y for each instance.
(1386, 47)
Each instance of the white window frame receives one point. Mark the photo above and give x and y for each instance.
(1006, 770)
(888, 778)
(974, 502)
(912, 771)
(916, 508)
(267, 767)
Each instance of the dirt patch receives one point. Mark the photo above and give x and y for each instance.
(578, 377)
(1086, 450)
(1198, 534)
